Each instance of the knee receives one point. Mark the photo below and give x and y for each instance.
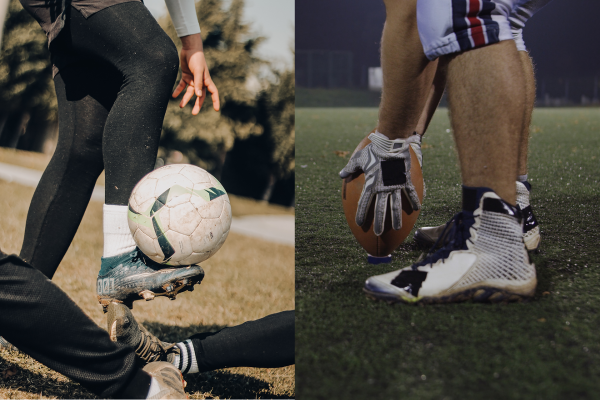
(161, 62)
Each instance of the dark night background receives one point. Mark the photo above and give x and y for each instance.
(563, 38)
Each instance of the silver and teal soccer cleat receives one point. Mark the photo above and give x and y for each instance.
(429, 236)
(484, 259)
(133, 276)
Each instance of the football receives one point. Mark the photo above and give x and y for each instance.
(384, 245)
(179, 214)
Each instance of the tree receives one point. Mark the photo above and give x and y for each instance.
(27, 97)
(230, 53)
(257, 164)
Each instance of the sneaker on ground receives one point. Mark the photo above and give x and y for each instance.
(133, 276)
(123, 328)
(484, 260)
(169, 379)
(429, 235)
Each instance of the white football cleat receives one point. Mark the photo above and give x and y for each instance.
(531, 229)
(428, 236)
(484, 259)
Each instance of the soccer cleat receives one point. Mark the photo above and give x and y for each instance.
(133, 276)
(484, 260)
(123, 328)
(169, 379)
(531, 229)
(429, 235)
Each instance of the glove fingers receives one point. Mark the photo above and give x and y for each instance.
(363, 206)
(380, 209)
(353, 165)
(413, 197)
(396, 208)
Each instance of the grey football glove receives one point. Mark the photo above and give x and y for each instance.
(386, 164)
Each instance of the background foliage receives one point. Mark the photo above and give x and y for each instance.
(252, 137)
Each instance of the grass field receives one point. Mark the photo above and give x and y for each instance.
(247, 279)
(350, 347)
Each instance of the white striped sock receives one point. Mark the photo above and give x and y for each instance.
(186, 361)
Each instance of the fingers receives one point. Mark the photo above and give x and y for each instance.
(350, 168)
(363, 206)
(380, 208)
(187, 96)
(214, 93)
(396, 209)
(180, 86)
(199, 102)
(412, 196)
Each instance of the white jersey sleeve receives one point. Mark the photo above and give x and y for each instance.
(183, 15)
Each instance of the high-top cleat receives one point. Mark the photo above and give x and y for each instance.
(133, 276)
(170, 381)
(123, 328)
(484, 259)
(531, 229)
(428, 236)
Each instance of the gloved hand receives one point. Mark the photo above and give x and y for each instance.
(386, 165)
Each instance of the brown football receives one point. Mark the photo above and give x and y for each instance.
(380, 246)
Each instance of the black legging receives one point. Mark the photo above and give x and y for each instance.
(264, 343)
(111, 105)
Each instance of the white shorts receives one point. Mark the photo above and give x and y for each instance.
(453, 26)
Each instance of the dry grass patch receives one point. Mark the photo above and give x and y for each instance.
(246, 280)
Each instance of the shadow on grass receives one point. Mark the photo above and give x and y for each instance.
(37, 379)
(19, 372)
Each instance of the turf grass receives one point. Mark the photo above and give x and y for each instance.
(350, 347)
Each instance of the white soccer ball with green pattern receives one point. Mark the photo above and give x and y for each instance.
(179, 214)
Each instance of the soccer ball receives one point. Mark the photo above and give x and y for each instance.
(179, 214)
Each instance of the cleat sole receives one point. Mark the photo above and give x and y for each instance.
(175, 287)
(479, 294)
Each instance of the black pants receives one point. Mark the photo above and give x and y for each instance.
(42, 321)
(112, 99)
(264, 343)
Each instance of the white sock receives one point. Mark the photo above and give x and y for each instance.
(522, 178)
(186, 360)
(117, 236)
(154, 388)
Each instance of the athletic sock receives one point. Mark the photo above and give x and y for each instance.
(522, 178)
(117, 236)
(186, 359)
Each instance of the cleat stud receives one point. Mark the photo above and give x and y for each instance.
(146, 295)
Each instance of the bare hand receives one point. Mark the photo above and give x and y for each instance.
(195, 75)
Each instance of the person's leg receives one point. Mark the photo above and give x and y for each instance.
(264, 343)
(485, 258)
(487, 104)
(127, 37)
(42, 321)
(434, 96)
(523, 140)
(407, 73)
(85, 95)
